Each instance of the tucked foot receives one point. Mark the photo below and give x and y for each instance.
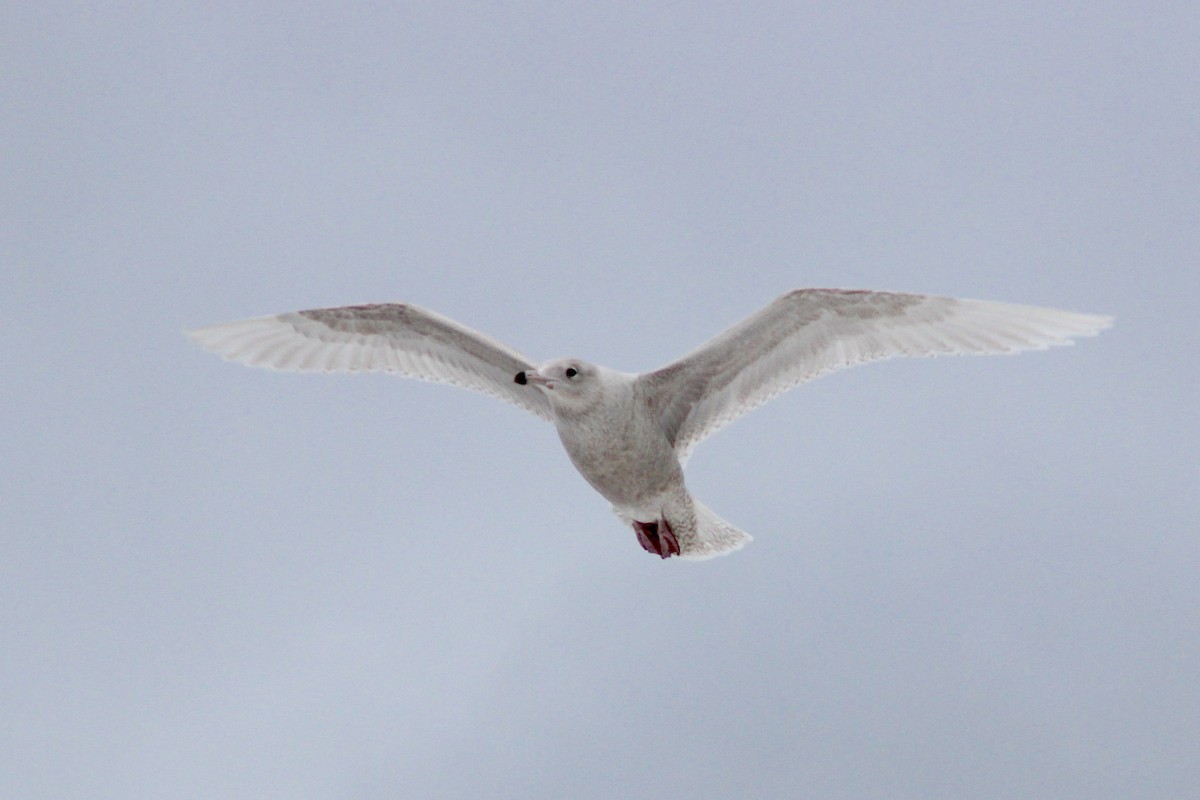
(657, 538)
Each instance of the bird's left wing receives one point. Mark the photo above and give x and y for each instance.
(391, 337)
(809, 332)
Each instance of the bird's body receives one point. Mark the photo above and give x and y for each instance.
(618, 447)
(629, 435)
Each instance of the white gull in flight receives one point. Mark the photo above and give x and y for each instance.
(630, 435)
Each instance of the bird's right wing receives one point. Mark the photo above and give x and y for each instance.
(392, 337)
(809, 332)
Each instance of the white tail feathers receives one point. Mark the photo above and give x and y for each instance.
(714, 536)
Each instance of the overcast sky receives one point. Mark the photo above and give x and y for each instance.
(970, 577)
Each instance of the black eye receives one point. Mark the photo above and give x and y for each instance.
(571, 373)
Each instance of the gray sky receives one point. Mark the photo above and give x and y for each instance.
(970, 578)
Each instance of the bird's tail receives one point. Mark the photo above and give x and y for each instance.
(714, 536)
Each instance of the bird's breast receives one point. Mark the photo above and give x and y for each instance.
(626, 462)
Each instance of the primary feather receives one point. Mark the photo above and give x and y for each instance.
(809, 332)
(392, 337)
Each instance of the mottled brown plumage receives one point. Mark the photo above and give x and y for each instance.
(629, 435)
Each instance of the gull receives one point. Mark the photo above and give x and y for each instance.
(630, 435)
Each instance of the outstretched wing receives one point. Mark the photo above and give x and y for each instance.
(393, 337)
(809, 332)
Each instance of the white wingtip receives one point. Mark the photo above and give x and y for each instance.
(274, 343)
(981, 327)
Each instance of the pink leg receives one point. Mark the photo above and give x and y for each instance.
(657, 538)
(647, 535)
(670, 544)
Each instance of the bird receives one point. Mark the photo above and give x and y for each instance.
(628, 434)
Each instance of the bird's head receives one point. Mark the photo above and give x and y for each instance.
(569, 383)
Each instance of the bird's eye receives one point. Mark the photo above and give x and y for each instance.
(571, 372)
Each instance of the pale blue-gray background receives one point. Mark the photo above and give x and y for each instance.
(971, 577)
